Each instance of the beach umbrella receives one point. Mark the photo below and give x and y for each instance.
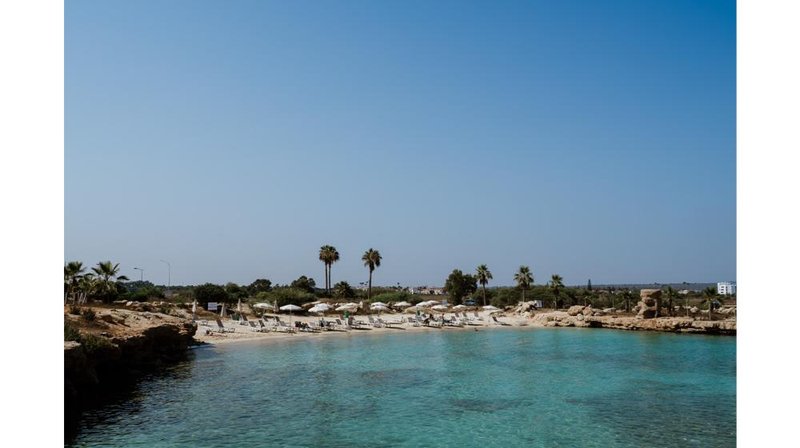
(402, 305)
(262, 305)
(490, 308)
(374, 304)
(194, 310)
(239, 306)
(222, 311)
(290, 308)
(319, 308)
(439, 307)
(347, 307)
(459, 307)
(379, 308)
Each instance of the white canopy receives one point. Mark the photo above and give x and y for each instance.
(262, 305)
(380, 307)
(490, 308)
(347, 307)
(459, 307)
(290, 307)
(439, 307)
(319, 308)
(374, 304)
(402, 305)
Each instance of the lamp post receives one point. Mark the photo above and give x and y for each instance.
(169, 273)
(141, 273)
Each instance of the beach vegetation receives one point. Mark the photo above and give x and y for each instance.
(236, 292)
(459, 285)
(524, 279)
(372, 260)
(289, 295)
(342, 290)
(88, 314)
(328, 255)
(304, 283)
(71, 333)
(107, 275)
(210, 292)
(393, 296)
(75, 310)
(92, 344)
(483, 275)
(258, 286)
(556, 285)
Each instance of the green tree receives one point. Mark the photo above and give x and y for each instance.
(483, 276)
(304, 283)
(556, 285)
(671, 295)
(235, 292)
(458, 285)
(73, 271)
(107, 275)
(342, 290)
(210, 292)
(524, 279)
(259, 285)
(328, 255)
(709, 295)
(627, 297)
(372, 260)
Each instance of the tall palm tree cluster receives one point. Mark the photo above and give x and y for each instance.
(79, 285)
(328, 255)
(524, 279)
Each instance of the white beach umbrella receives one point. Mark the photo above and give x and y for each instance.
(439, 307)
(379, 308)
(490, 308)
(222, 311)
(239, 306)
(194, 310)
(290, 308)
(459, 307)
(402, 305)
(319, 308)
(374, 304)
(262, 305)
(347, 307)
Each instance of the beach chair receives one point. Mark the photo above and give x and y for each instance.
(222, 328)
(264, 327)
(498, 322)
(414, 321)
(341, 325)
(373, 322)
(477, 316)
(284, 327)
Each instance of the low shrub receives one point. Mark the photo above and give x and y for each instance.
(71, 333)
(89, 314)
(92, 343)
(75, 309)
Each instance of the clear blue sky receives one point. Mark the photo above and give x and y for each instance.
(233, 139)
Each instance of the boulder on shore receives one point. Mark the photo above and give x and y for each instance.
(650, 303)
(575, 310)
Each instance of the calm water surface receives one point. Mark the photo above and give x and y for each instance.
(503, 387)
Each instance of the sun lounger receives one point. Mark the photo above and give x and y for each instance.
(498, 322)
(477, 316)
(374, 323)
(222, 328)
(284, 327)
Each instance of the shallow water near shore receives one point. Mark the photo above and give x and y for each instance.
(504, 387)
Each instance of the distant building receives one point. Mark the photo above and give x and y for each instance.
(427, 290)
(726, 288)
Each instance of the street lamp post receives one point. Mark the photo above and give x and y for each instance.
(169, 273)
(141, 273)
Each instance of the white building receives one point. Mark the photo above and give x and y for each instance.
(726, 288)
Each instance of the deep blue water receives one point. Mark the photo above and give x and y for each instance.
(502, 387)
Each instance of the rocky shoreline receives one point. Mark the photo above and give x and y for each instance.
(116, 351)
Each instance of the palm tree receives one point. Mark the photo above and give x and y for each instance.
(671, 295)
(334, 257)
(325, 257)
(483, 275)
(524, 279)
(106, 273)
(372, 260)
(72, 275)
(627, 295)
(710, 294)
(556, 285)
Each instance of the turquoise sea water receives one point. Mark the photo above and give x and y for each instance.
(503, 387)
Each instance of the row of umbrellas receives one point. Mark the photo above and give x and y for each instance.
(375, 306)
